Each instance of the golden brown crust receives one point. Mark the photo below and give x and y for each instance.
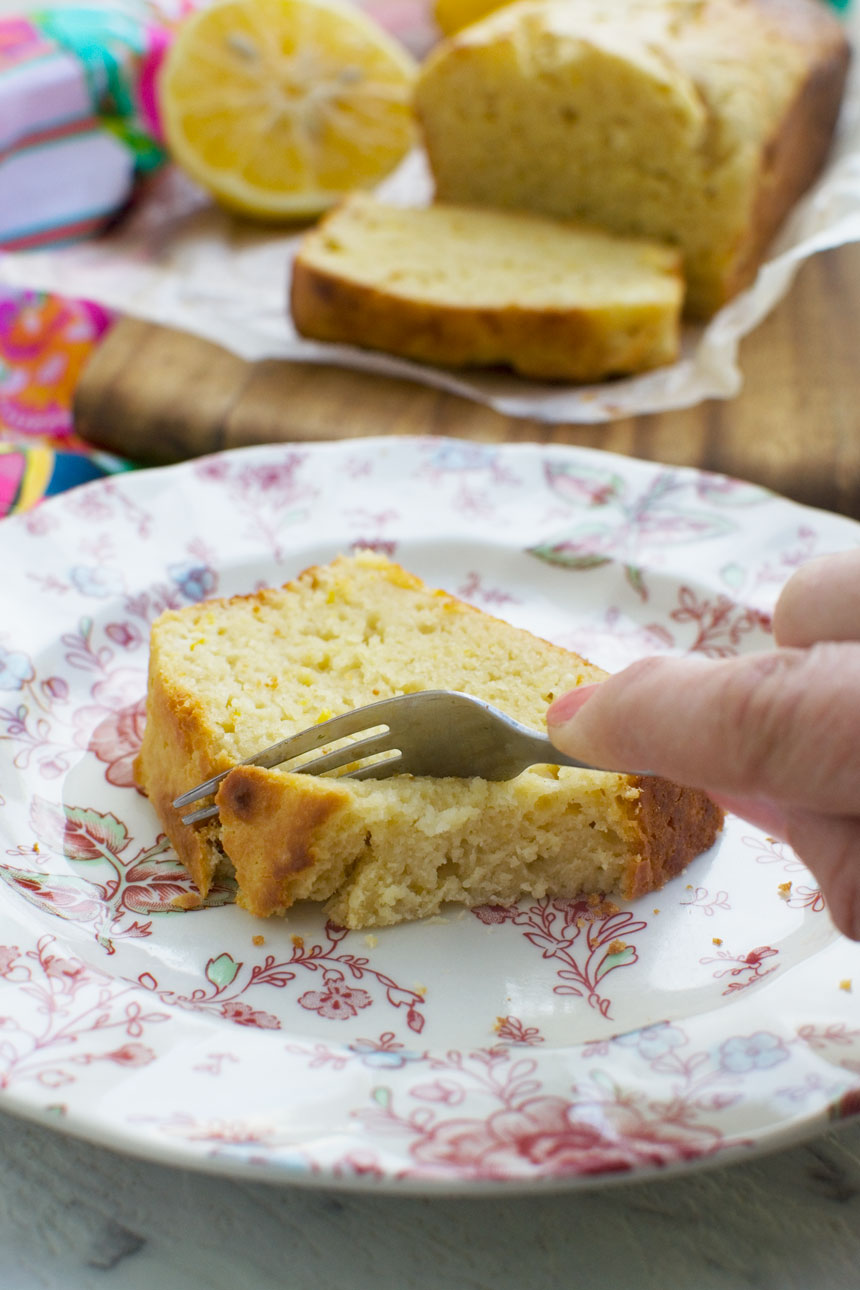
(676, 825)
(269, 826)
(794, 155)
(176, 754)
(553, 345)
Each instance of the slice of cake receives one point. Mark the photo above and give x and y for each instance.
(696, 122)
(463, 287)
(229, 677)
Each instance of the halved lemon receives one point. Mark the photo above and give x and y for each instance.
(279, 107)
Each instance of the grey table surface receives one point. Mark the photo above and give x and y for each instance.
(75, 1216)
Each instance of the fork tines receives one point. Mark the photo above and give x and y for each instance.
(376, 746)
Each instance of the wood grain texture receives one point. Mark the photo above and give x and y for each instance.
(160, 396)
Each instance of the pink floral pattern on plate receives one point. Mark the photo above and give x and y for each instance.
(558, 1041)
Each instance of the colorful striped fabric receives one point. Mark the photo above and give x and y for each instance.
(27, 474)
(77, 119)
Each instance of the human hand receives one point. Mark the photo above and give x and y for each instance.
(773, 737)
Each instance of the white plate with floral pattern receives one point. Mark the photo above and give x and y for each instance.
(493, 1047)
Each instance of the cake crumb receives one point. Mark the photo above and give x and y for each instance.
(298, 942)
(35, 848)
(599, 907)
(371, 941)
(420, 989)
(784, 890)
(845, 985)
(655, 911)
(689, 887)
(716, 940)
(617, 946)
(187, 900)
(258, 940)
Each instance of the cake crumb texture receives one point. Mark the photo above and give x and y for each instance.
(229, 677)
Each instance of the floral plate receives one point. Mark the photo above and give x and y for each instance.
(498, 1046)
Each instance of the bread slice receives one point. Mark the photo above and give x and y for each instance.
(229, 677)
(696, 122)
(461, 287)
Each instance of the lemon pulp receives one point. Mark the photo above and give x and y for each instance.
(279, 107)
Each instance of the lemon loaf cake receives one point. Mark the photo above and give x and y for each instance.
(696, 122)
(229, 677)
(459, 286)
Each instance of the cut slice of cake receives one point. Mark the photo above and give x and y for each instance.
(463, 287)
(229, 677)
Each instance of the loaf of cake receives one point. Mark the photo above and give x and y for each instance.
(696, 122)
(460, 286)
(230, 677)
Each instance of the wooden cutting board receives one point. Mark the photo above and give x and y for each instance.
(159, 396)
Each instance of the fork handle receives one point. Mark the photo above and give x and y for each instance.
(545, 752)
(541, 751)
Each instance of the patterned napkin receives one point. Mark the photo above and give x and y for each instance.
(44, 343)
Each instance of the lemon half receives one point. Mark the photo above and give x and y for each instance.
(279, 107)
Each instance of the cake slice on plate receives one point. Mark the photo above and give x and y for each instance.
(229, 677)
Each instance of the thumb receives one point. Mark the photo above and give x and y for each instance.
(771, 737)
(776, 727)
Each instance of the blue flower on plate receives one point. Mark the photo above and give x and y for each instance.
(745, 1053)
(95, 580)
(15, 669)
(653, 1041)
(387, 1056)
(195, 581)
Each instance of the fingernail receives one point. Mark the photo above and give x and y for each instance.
(567, 705)
(764, 815)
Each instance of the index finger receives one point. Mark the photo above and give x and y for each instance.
(780, 725)
(820, 602)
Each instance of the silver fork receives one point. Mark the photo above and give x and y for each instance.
(431, 732)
